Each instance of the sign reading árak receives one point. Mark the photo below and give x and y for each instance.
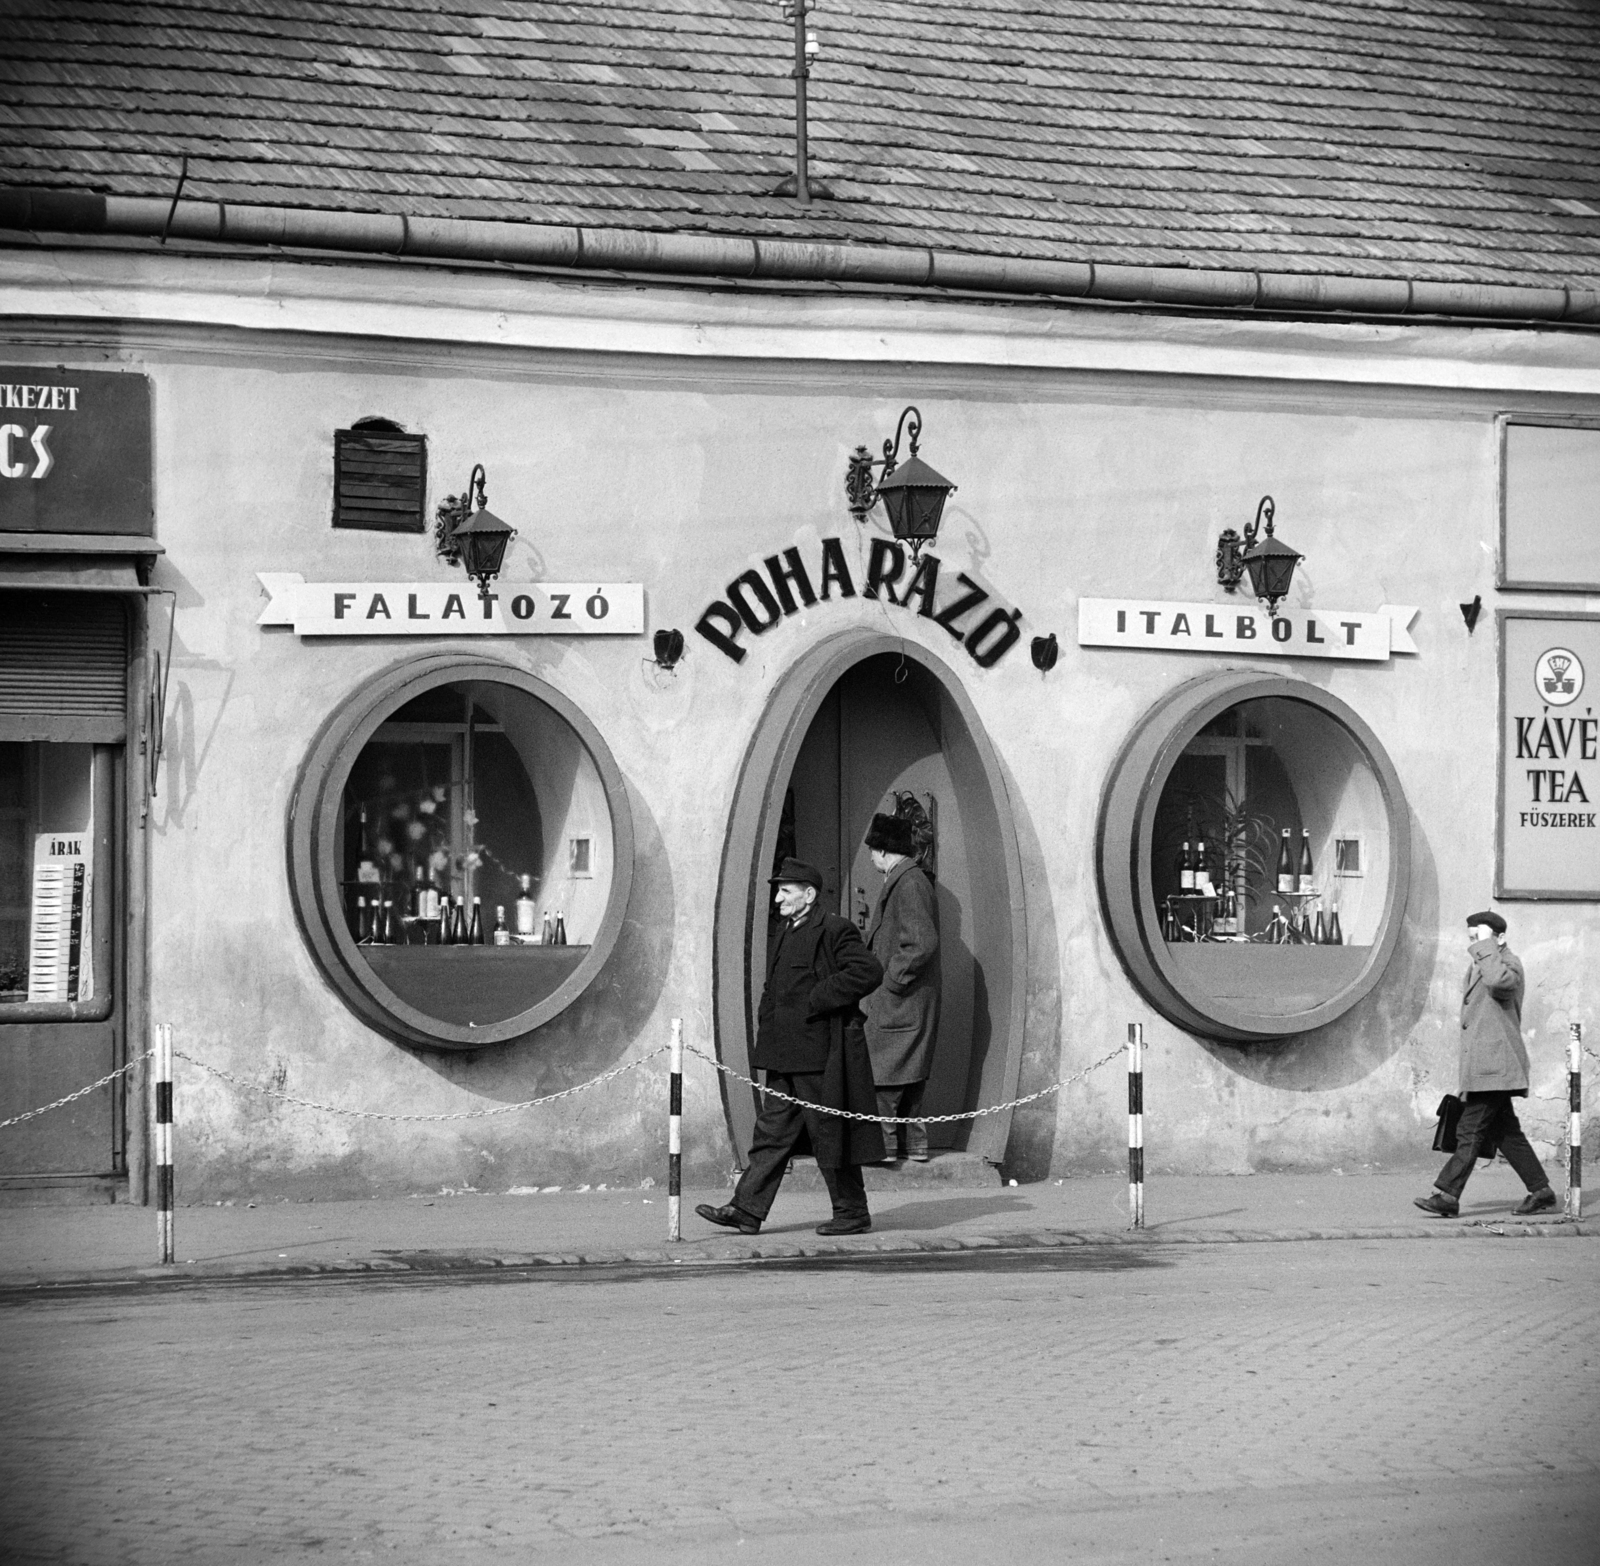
(1549, 756)
(74, 451)
(452, 608)
(1245, 629)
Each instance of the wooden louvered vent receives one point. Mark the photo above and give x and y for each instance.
(380, 478)
(63, 667)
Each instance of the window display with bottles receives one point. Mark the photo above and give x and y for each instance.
(1269, 856)
(435, 875)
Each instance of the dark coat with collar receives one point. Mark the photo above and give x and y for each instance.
(903, 1012)
(809, 1023)
(1493, 1057)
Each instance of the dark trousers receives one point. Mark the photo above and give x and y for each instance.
(779, 1126)
(1488, 1121)
(902, 1102)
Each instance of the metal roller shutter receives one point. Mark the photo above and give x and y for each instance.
(63, 667)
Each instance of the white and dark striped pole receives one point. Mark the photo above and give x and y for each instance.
(675, 1133)
(163, 1139)
(1575, 1121)
(1136, 1123)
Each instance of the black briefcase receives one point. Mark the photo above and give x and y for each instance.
(1449, 1112)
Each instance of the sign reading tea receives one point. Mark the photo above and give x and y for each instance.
(1550, 756)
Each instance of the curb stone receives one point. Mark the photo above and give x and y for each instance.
(719, 1252)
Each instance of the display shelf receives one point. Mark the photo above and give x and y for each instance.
(473, 985)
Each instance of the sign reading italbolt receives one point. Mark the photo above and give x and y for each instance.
(451, 608)
(1246, 629)
(1549, 757)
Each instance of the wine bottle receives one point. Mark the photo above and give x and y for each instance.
(447, 924)
(1286, 876)
(1202, 871)
(1279, 928)
(502, 936)
(547, 930)
(363, 927)
(526, 913)
(1186, 870)
(1320, 935)
(458, 922)
(1306, 868)
(561, 929)
(391, 923)
(475, 929)
(1335, 934)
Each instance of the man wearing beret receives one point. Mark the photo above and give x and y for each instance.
(810, 1043)
(903, 1012)
(1493, 1071)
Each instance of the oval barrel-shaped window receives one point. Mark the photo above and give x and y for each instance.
(461, 853)
(1254, 851)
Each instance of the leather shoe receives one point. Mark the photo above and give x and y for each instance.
(1536, 1202)
(1437, 1203)
(845, 1226)
(730, 1217)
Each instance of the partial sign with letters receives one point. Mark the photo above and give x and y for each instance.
(1549, 755)
(60, 935)
(74, 451)
(451, 608)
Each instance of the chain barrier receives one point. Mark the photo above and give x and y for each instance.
(377, 1114)
(906, 1120)
(83, 1092)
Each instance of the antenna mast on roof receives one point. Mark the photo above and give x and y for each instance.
(800, 185)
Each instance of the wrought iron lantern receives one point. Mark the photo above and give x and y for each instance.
(474, 540)
(1269, 560)
(913, 496)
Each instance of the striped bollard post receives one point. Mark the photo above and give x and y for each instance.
(1136, 1123)
(1575, 1121)
(675, 1133)
(163, 1139)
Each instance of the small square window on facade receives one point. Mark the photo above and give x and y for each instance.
(380, 478)
(582, 856)
(1347, 857)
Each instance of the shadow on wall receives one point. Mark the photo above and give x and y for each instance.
(593, 1033)
(1031, 1145)
(1373, 1032)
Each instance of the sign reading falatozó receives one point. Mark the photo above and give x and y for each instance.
(452, 608)
(1549, 756)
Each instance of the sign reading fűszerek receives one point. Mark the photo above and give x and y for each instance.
(1245, 629)
(452, 608)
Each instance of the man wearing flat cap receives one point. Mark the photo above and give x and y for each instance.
(1492, 1072)
(810, 1044)
(903, 1012)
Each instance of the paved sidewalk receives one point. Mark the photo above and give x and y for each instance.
(428, 1232)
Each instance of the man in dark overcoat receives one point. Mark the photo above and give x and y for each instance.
(1493, 1070)
(903, 1012)
(810, 1044)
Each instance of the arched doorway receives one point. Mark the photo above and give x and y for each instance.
(859, 716)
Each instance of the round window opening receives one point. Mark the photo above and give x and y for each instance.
(461, 853)
(1254, 852)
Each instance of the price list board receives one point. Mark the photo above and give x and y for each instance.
(1549, 787)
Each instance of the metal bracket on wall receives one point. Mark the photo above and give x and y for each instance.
(158, 670)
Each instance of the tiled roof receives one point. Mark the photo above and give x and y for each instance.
(1449, 140)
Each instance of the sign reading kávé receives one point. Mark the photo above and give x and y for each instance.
(1550, 756)
(74, 451)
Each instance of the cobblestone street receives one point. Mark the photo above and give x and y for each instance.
(1356, 1401)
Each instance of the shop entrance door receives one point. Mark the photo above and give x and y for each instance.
(878, 731)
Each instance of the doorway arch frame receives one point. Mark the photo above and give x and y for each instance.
(751, 841)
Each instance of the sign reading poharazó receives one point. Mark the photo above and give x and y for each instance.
(1245, 629)
(452, 608)
(1549, 756)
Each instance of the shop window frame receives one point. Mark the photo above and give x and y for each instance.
(315, 873)
(1124, 847)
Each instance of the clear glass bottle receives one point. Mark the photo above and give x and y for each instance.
(502, 936)
(1307, 869)
(1288, 881)
(527, 914)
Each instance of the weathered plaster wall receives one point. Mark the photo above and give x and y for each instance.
(681, 472)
